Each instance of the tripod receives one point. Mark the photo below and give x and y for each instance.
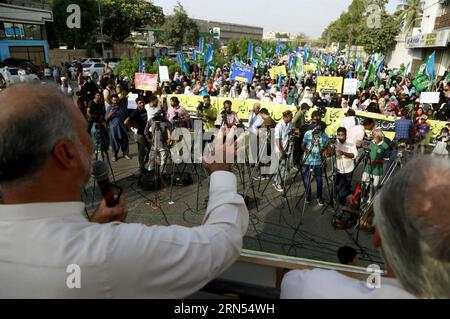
(364, 208)
(101, 148)
(157, 150)
(333, 191)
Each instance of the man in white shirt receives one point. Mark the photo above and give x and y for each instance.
(282, 132)
(349, 121)
(47, 247)
(346, 153)
(255, 120)
(356, 134)
(413, 233)
(152, 107)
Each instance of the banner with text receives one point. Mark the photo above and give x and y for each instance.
(146, 82)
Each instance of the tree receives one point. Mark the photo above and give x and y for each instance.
(180, 30)
(281, 35)
(379, 39)
(120, 17)
(233, 47)
(352, 28)
(410, 12)
(59, 34)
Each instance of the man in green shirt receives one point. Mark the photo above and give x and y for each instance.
(378, 152)
(207, 112)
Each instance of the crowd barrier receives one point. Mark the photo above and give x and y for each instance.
(333, 117)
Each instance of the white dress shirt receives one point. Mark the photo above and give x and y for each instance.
(151, 111)
(348, 122)
(254, 122)
(282, 131)
(39, 241)
(344, 164)
(356, 134)
(329, 284)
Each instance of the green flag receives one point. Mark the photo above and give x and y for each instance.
(422, 81)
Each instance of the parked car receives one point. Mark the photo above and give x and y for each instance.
(25, 64)
(11, 75)
(92, 60)
(93, 70)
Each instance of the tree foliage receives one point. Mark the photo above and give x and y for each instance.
(120, 17)
(59, 34)
(180, 30)
(410, 11)
(352, 27)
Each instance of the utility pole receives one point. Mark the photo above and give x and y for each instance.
(101, 28)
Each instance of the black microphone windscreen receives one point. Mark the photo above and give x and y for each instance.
(100, 171)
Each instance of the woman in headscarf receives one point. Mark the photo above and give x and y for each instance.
(234, 91)
(188, 91)
(244, 94)
(279, 99)
(176, 78)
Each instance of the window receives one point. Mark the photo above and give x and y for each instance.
(20, 31)
(99, 65)
(9, 30)
(33, 32)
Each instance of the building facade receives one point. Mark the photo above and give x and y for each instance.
(22, 31)
(431, 35)
(230, 31)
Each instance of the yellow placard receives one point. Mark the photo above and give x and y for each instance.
(310, 67)
(330, 84)
(277, 71)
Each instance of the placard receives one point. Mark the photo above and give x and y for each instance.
(146, 82)
(164, 74)
(329, 84)
(242, 74)
(350, 86)
(430, 97)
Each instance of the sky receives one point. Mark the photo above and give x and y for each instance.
(308, 16)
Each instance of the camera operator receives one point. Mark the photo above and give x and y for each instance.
(346, 153)
(228, 118)
(207, 112)
(158, 134)
(282, 132)
(316, 148)
(298, 150)
(378, 150)
(138, 119)
(152, 107)
(177, 115)
(298, 124)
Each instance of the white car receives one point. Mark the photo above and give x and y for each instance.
(11, 75)
(93, 70)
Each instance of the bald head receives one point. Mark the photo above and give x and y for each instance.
(412, 216)
(33, 118)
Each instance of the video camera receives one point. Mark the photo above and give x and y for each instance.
(201, 107)
(159, 116)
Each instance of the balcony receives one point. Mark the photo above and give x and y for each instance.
(442, 22)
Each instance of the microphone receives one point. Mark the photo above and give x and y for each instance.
(100, 173)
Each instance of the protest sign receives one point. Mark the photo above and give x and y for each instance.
(242, 74)
(329, 84)
(146, 82)
(164, 74)
(430, 97)
(350, 86)
(277, 71)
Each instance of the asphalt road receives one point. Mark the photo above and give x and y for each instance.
(274, 222)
